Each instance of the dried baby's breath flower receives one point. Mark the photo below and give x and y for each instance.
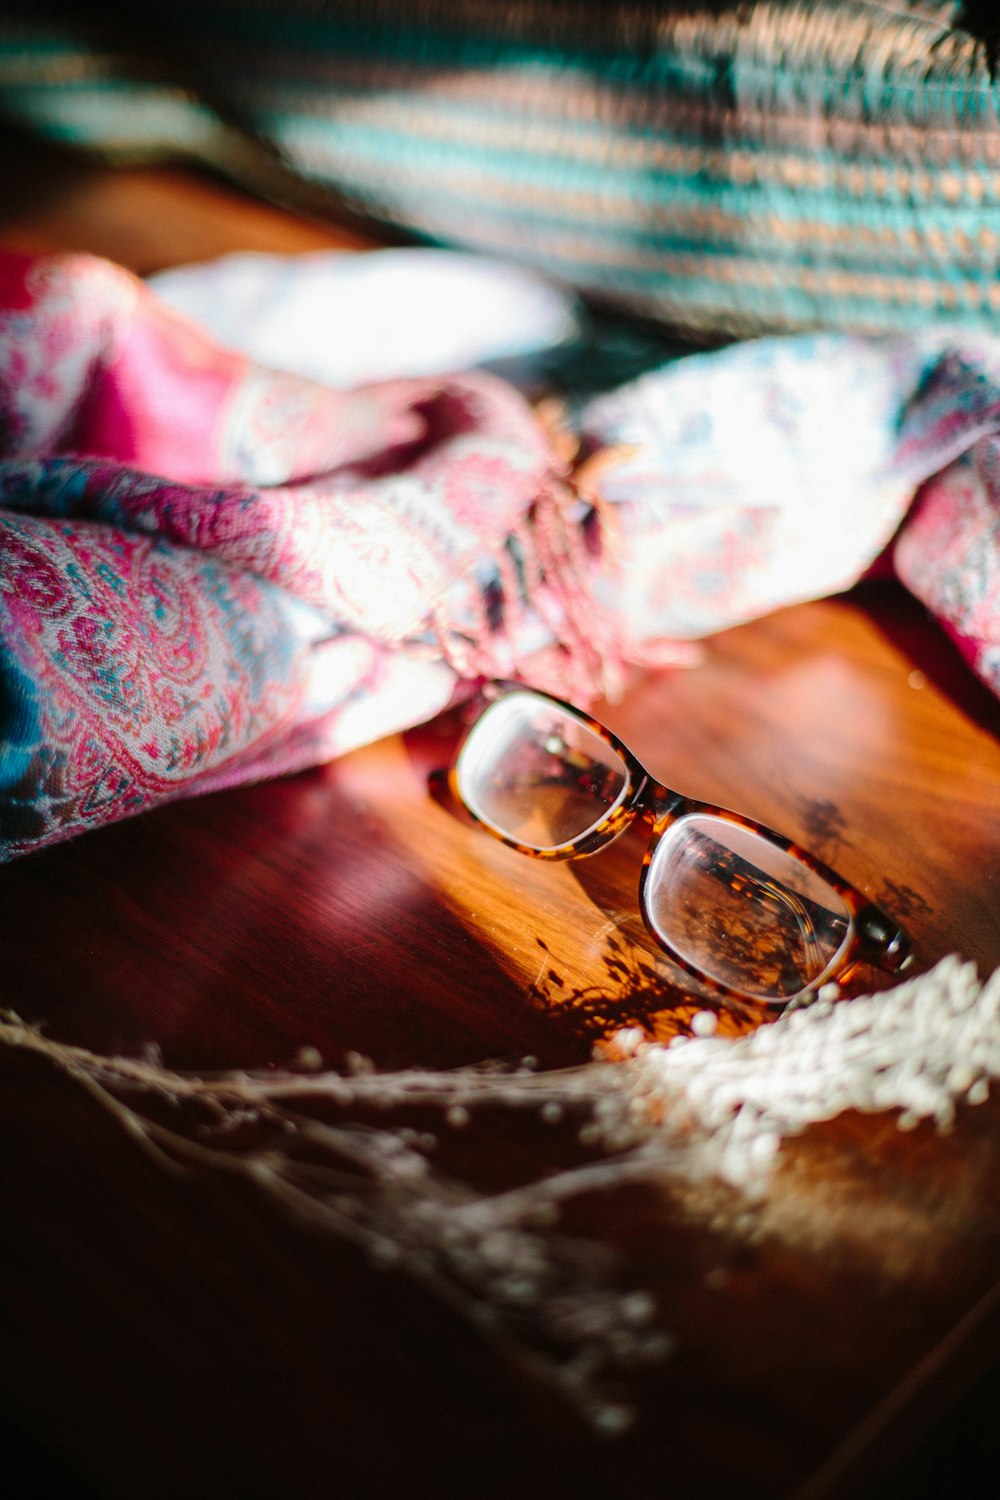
(702, 1107)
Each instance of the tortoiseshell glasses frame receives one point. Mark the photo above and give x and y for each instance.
(727, 899)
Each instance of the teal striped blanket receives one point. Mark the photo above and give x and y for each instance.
(726, 169)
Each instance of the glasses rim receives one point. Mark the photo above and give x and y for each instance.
(873, 936)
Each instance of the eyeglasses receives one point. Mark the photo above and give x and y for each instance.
(742, 909)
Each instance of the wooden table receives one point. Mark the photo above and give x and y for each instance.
(167, 1335)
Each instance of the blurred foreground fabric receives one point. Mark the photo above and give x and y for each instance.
(726, 168)
(213, 571)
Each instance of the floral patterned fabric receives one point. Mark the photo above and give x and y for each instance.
(213, 571)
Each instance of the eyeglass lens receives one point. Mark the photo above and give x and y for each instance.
(742, 910)
(537, 774)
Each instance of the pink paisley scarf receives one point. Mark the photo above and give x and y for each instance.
(213, 571)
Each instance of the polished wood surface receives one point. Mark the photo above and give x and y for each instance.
(165, 1335)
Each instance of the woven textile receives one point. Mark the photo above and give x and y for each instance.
(725, 168)
(212, 571)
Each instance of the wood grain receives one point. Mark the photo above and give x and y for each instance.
(167, 1334)
(146, 218)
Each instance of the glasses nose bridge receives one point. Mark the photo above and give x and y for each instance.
(652, 801)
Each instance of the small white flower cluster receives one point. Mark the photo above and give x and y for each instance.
(920, 1048)
(701, 1107)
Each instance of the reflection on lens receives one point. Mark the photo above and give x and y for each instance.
(537, 774)
(743, 910)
